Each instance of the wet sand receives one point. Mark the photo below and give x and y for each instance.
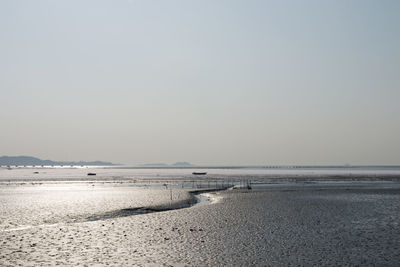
(283, 225)
(46, 204)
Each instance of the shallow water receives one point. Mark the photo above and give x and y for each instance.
(137, 174)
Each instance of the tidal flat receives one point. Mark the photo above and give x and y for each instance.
(270, 225)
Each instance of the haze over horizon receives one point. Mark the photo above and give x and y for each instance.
(207, 82)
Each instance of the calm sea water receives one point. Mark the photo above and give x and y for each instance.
(132, 173)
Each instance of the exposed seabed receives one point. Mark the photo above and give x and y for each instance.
(273, 223)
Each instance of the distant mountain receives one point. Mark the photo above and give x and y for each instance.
(26, 160)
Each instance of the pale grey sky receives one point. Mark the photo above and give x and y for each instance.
(209, 82)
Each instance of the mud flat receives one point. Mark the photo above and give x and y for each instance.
(287, 225)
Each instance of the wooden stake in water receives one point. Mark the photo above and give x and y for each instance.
(170, 201)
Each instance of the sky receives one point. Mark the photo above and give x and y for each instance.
(211, 82)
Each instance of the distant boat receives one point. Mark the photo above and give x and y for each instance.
(199, 173)
(91, 173)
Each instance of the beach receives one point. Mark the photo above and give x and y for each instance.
(273, 224)
(200, 133)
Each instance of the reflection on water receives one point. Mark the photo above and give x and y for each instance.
(23, 206)
(26, 206)
(132, 174)
(37, 196)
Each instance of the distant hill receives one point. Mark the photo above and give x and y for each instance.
(27, 160)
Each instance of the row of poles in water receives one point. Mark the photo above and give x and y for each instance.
(211, 184)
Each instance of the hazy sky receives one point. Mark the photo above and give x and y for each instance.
(207, 81)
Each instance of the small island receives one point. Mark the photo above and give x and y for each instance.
(32, 161)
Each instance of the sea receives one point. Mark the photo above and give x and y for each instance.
(77, 193)
(281, 215)
(13, 174)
